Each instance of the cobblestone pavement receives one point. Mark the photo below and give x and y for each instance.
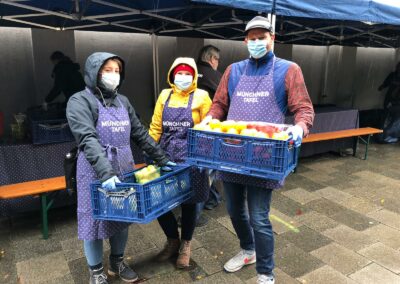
(337, 220)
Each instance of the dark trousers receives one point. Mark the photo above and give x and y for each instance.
(170, 226)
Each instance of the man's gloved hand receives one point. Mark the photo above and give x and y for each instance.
(167, 166)
(111, 183)
(297, 134)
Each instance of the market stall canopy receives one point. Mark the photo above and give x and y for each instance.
(344, 22)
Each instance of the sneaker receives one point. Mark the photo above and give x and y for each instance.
(265, 279)
(170, 249)
(243, 258)
(98, 276)
(120, 268)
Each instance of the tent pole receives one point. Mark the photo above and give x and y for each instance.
(154, 42)
(272, 19)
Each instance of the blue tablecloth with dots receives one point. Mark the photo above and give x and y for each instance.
(26, 162)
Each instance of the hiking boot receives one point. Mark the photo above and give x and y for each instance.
(265, 279)
(243, 258)
(120, 268)
(184, 255)
(98, 276)
(170, 249)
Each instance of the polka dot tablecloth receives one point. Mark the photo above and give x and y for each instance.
(26, 162)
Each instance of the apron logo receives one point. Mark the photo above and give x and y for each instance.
(176, 125)
(252, 97)
(116, 126)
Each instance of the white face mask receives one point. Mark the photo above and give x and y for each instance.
(183, 82)
(110, 80)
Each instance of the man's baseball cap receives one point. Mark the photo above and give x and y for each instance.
(259, 22)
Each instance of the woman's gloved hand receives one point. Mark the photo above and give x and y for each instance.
(297, 134)
(167, 166)
(111, 183)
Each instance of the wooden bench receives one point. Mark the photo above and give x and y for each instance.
(357, 133)
(40, 188)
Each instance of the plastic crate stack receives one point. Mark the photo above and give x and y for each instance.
(49, 127)
(258, 157)
(142, 203)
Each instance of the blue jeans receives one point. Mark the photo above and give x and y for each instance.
(251, 222)
(94, 248)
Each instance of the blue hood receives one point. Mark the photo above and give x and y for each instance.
(94, 63)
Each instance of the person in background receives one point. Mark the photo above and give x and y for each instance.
(271, 86)
(103, 122)
(209, 77)
(207, 65)
(67, 78)
(178, 109)
(392, 83)
(391, 106)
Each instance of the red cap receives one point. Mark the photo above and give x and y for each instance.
(183, 67)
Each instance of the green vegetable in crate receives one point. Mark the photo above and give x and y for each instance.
(147, 174)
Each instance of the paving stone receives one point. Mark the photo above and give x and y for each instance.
(281, 223)
(206, 261)
(376, 177)
(349, 238)
(227, 223)
(386, 217)
(353, 219)
(333, 194)
(296, 262)
(300, 195)
(360, 205)
(138, 241)
(305, 183)
(325, 207)
(41, 269)
(65, 279)
(8, 270)
(286, 205)
(340, 258)
(175, 278)
(280, 242)
(154, 232)
(147, 267)
(391, 203)
(316, 221)
(33, 246)
(221, 278)
(316, 176)
(220, 243)
(373, 274)
(326, 275)
(341, 214)
(385, 235)
(383, 255)
(306, 239)
(246, 273)
(72, 249)
(326, 166)
(79, 270)
(211, 225)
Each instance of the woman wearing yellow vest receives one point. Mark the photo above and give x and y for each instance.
(178, 109)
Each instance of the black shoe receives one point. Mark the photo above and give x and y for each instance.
(98, 276)
(211, 204)
(201, 221)
(120, 268)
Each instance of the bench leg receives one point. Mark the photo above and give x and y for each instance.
(355, 142)
(45, 208)
(366, 143)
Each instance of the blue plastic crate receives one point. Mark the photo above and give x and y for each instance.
(142, 203)
(258, 157)
(50, 131)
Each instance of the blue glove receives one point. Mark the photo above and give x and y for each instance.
(110, 183)
(297, 134)
(167, 167)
